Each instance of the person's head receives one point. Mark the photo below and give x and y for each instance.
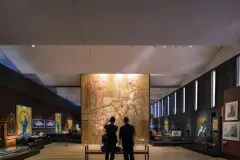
(112, 119)
(126, 120)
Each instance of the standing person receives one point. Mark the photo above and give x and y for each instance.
(127, 133)
(111, 135)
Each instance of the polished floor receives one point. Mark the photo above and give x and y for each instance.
(58, 151)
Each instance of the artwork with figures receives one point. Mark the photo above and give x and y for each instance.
(231, 112)
(11, 125)
(119, 95)
(58, 125)
(231, 131)
(24, 120)
(202, 127)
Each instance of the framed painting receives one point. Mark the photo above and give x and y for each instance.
(231, 111)
(231, 131)
(215, 125)
(38, 123)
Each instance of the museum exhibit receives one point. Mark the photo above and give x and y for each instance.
(118, 95)
(119, 80)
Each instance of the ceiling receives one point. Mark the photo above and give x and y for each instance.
(125, 22)
(59, 66)
(72, 37)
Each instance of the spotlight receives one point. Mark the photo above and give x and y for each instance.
(190, 46)
(33, 45)
(164, 46)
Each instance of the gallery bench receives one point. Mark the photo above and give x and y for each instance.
(143, 152)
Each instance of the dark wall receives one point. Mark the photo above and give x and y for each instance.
(16, 89)
(225, 79)
(231, 147)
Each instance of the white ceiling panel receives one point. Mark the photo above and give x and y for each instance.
(61, 65)
(109, 59)
(120, 22)
(159, 22)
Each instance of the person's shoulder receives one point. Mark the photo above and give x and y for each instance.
(131, 125)
(122, 127)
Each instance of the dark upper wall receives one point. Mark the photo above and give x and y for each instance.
(225, 79)
(16, 89)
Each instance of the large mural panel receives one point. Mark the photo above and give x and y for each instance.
(119, 95)
(24, 120)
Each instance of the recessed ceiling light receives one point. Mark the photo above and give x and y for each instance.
(164, 46)
(33, 45)
(190, 46)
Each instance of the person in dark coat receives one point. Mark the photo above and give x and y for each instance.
(111, 135)
(127, 133)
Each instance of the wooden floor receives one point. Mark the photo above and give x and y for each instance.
(58, 151)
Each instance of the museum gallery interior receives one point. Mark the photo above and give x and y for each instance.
(172, 68)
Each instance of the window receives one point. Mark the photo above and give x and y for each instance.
(162, 109)
(155, 110)
(213, 89)
(152, 109)
(158, 109)
(168, 105)
(184, 98)
(238, 71)
(175, 103)
(196, 96)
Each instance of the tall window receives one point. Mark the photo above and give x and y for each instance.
(213, 89)
(196, 96)
(184, 98)
(238, 71)
(151, 109)
(158, 109)
(168, 105)
(162, 109)
(175, 103)
(155, 110)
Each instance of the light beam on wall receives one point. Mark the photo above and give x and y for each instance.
(175, 103)
(168, 105)
(184, 98)
(196, 96)
(213, 89)
(162, 108)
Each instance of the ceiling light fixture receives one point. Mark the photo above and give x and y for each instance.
(190, 46)
(33, 45)
(164, 46)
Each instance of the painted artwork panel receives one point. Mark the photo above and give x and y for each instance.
(119, 95)
(202, 127)
(38, 123)
(70, 124)
(50, 124)
(24, 120)
(11, 125)
(231, 131)
(58, 121)
(231, 111)
(215, 125)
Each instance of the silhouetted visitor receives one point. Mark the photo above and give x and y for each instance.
(127, 133)
(111, 136)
